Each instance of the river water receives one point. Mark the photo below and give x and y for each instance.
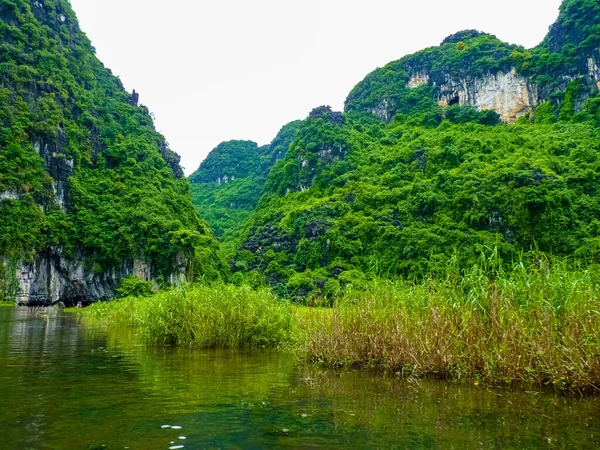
(65, 386)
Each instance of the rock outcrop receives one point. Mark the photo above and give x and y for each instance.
(53, 277)
(509, 94)
(594, 69)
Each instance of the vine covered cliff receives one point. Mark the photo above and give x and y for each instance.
(89, 191)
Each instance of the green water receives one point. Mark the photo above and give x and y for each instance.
(63, 386)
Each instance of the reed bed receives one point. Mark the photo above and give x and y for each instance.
(203, 316)
(536, 325)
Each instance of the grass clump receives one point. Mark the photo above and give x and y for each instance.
(201, 316)
(537, 325)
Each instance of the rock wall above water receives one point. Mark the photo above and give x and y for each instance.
(53, 277)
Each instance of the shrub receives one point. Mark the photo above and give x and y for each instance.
(132, 286)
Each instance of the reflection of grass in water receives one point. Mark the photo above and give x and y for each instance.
(210, 377)
(203, 316)
(539, 325)
(410, 412)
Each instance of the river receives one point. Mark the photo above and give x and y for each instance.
(66, 386)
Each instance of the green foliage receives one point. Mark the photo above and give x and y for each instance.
(67, 125)
(201, 316)
(230, 160)
(132, 286)
(230, 182)
(545, 114)
(411, 198)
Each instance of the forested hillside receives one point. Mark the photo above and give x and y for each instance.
(230, 182)
(89, 191)
(469, 148)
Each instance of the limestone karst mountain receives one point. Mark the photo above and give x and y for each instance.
(475, 69)
(229, 183)
(472, 147)
(89, 191)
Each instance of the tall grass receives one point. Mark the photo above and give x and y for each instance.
(538, 325)
(203, 317)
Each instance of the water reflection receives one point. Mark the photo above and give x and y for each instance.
(65, 386)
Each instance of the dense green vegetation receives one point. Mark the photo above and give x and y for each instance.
(400, 185)
(67, 125)
(230, 182)
(202, 316)
(402, 200)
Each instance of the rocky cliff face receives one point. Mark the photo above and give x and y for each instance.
(58, 165)
(476, 69)
(509, 94)
(54, 277)
(89, 190)
(594, 69)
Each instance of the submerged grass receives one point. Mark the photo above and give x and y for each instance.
(203, 316)
(537, 325)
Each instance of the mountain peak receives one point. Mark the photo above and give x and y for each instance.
(462, 36)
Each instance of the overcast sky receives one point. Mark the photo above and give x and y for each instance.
(216, 70)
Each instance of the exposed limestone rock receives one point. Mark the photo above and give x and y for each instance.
(418, 79)
(53, 277)
(594, 70)
(224, 180)
(382, 110)
(58, 165)
(509, 94)
(9, 195)
(142, 270)
(135, 98)
(177, 277)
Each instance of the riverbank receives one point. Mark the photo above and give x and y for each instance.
(538, 326)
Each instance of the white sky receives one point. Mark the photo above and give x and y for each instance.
(215, 70)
